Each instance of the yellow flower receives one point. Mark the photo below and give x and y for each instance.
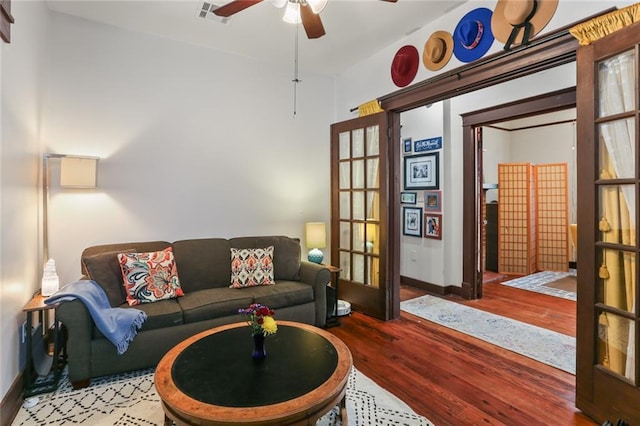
(269, 326)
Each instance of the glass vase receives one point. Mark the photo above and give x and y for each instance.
(259, 350)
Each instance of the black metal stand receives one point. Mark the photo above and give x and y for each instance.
(33, 384)
(332, 296)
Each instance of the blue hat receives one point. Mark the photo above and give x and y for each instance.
(472, 37)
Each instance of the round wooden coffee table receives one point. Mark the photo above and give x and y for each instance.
(211, 378)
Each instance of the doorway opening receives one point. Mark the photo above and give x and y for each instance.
(473, 124)
(529, 203)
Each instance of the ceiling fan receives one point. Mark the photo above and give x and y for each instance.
(306, 12)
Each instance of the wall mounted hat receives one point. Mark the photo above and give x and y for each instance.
(437, 50)
(515, 22)
(405, 65)
(472, 37)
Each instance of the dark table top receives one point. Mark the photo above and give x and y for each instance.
(218, 369)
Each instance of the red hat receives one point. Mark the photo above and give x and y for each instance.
(405, 65)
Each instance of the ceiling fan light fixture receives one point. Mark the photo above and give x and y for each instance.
(317, 6)
(292, 13)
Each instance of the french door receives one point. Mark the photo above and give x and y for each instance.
(363, 216)
(607, 379)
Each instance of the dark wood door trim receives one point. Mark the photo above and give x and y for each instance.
(472, 176)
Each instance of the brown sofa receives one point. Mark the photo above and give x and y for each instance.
(204, 270)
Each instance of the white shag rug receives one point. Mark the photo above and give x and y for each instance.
(130, 399)
(549, 347)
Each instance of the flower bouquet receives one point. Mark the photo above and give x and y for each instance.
(260, 319)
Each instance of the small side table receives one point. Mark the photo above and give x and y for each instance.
(332, 317)
(32, 386)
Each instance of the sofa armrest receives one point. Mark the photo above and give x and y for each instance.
(79, 324)
(317, 276)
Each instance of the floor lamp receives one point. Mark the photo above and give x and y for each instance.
(75, 172)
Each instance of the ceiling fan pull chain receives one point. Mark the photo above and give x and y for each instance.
(295, 80)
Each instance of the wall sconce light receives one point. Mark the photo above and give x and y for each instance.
(316, 238)
(75, 172)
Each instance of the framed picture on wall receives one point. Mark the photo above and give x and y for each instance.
(433, 226)
(433, 201)
(412, 221)
(408, 197)
(406, 146)
(422, 171)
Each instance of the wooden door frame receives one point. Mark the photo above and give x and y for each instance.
(552, 50)
(472, 158)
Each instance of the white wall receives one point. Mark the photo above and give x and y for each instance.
(549, 144)
(370, 79)
(193, 143)
(495, 150)
(421, 257)
(23, 65)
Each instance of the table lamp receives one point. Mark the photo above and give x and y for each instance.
(316, 238)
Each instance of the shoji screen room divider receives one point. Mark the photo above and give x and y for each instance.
(533, 223)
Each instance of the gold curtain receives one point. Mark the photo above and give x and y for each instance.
(617, 272)
(368, 108)
(590, 31)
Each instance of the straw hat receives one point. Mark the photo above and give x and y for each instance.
(437, 50)
(405, 65)
(472, 37)
(511, 15)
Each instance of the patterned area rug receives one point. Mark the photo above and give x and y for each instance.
(130, 399)
(537, 282)
(549, 347)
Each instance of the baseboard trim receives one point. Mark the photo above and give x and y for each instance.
(431, 288)
(11, 402)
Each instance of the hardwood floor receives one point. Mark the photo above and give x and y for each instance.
(453, 379)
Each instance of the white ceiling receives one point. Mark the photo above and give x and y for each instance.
(356, 29)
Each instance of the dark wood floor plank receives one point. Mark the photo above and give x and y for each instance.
(455, 379)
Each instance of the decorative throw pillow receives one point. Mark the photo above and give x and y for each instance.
(251, 267)
(149, 277)
(104, 268)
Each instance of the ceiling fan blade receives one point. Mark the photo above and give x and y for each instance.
(391, 1)
(311, 22)
(234, 7)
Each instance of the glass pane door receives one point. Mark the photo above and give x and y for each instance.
(358, 168)
(607, 385)
(616, 200)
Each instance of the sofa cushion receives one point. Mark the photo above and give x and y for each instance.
(251, 267)
(203, 263)
(149, 277)
(286, 254)
(282, 294)
(161, 314)
(213, 303)
(104, 269)
(122, 248)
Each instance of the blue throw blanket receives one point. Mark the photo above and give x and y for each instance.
(119, 325)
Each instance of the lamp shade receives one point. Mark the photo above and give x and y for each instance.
(78, 172)
(316, 235)
(292, 13)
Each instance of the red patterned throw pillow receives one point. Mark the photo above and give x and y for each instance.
(149, 277)
(251, 267)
